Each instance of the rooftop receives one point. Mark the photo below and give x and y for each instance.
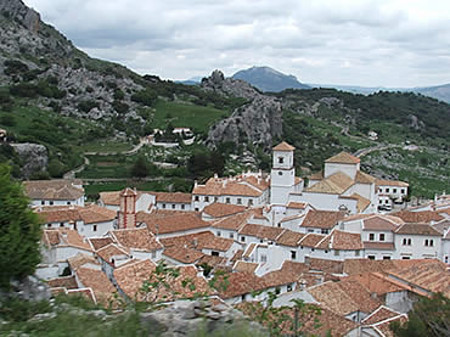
(343, 158)
(219, 210)
(322, 219)
(336, 183)
(53, 189)
(173, 223)
(136, 238)
(283, 146)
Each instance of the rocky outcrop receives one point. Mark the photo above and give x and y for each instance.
(16, 9)
(189, 318)
(257, 122)
(34, 158)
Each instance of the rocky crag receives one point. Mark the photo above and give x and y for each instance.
(257, 122)
(35, 56)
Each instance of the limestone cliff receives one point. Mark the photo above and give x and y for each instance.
(257, 122)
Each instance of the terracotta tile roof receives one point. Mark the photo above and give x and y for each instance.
(340, 240)
(322, 219)
(294, 267)
(246, 267)
(249, 250)
(237, 256)
(202, 240)
(311, 240)
(283, 146)
(176, 197)
(87, 293)
(110, 198)
(316, 176)
(98, 282)
(261, 232)
(240, 283)
(381, 223)
(376, 283)
(343, 158)
(225, 186)
(234, 222)
(213, 261)
(344, 297)
(67, 282)
(59, 214)
(107, 253)
(80, 260)
(136, 238)
(417, 229)
(292, 217)
(378, 245)
(289, 238)
(297, 205)
(280, 277)
(328, 266)
(96, 214)
(98, 243)
(130, 278)
(382, 182)
(337, 183)
(364, 178)
(126, 192)
(434, 277)
(362, 203)
(442, 227)
(63, 238)
(219, 210)
(385, 326)
(260, 182)
(183, 254)
(178, 222)
(381, 314)
(53, 189)
(415, 217)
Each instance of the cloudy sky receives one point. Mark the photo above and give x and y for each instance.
(392, 43)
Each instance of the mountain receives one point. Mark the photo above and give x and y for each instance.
(269, 80)
(440, 92)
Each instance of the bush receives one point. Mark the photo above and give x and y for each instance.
(146, 97)
(14, 67)
(88, 105)
(23, 90)
(120, 107)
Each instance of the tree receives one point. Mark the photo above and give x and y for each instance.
(429, 317)
(140, 168)
(20, 231)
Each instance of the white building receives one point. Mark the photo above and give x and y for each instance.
(55, 192)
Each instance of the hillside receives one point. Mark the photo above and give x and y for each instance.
(267, 79)
(67, 104)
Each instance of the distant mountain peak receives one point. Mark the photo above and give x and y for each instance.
(268, 79)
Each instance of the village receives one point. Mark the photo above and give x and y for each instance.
(343, 241)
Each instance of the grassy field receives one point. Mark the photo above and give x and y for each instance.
(198, 118)
(106, 146)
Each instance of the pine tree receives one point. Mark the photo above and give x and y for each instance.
(20, 231)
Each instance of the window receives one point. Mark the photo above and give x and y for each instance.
(243, 297)
(336, 252)
(250, 202)
(380, 202)
(196, 198)
(371, 257)
(154, 254)
(213, 253)
(386, 201)
(326, 251)
(49, 225)
(261, 240)
(61, 224)
(403, 191)
(280, 173)
(94, 228)
(68, 203)
(310, 230)
(356, 252)
(394, 190)
(426, 242)
(196, 209)
(387, 190)
(381, 236)
(206, 198)
(289, 287)
(42, 202)
(405, 258)
(263, 258)
(371, 236)
(163, 205)
(277, 290)
(231, 236)
(324, 231)
(386, 257)
(280, 160)
(312, 249)
(183, 206)
(51, 202)
(219, 233)
(409, 242)
(431, 243)
(242, 238)
(173, 206)
(293, 254)
(227, 200)
(239, 201)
